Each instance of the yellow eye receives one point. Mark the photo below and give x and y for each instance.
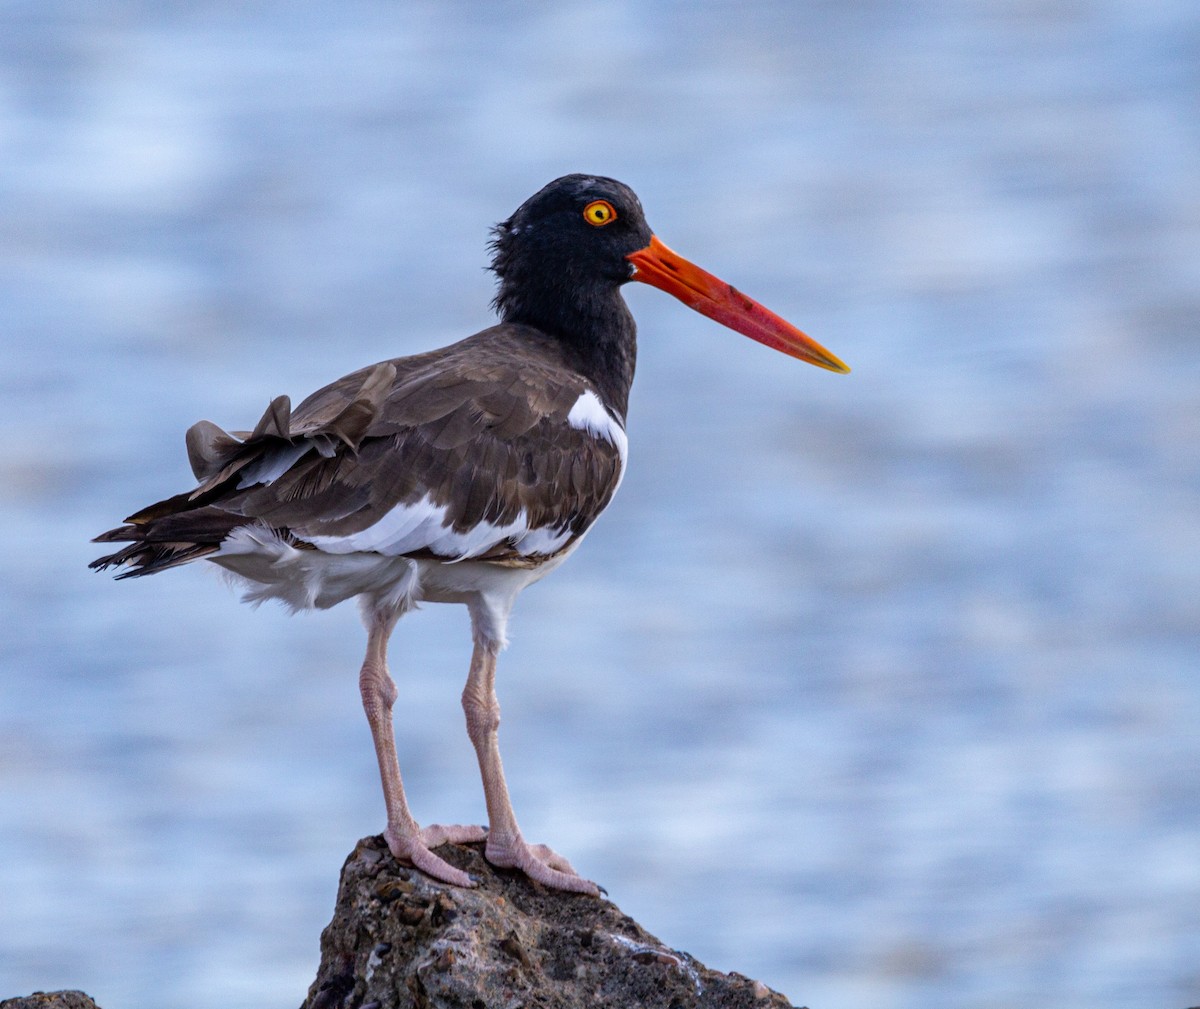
(599, 213)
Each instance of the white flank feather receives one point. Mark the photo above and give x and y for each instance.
(422, 525)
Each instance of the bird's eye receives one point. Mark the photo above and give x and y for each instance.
(599, 213)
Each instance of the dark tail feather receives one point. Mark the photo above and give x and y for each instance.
(150, 558)
(167, 541)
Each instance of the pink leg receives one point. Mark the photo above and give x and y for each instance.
(405, 839)
(505, 846)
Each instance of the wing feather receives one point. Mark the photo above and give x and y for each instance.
(464, 450)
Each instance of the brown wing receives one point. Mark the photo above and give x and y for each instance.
(467, 451)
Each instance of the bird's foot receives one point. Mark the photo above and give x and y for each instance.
(538, 862)
(414, 846)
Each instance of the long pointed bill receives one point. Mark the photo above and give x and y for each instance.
(659, 267)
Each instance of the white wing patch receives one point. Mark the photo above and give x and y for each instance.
(543, 540)
(590, 415)
(424, 525)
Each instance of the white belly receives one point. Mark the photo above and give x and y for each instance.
(268, 567)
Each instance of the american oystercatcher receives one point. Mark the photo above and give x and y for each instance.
(461, 475)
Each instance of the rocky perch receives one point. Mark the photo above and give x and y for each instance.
(50, 1000)
(400, 940)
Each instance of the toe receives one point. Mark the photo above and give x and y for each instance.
(455, 833)
(431, 865)
(544, 874)
(548, 856)
(412, 848)
(540, 863)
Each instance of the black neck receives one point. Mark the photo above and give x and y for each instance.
(597, 331)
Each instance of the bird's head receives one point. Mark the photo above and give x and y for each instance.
(575, 241)
(569, 241)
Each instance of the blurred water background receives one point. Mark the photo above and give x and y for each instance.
(881, 688)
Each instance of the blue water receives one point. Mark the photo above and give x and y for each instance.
(880, 688)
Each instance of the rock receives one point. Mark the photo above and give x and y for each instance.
(400, 940)
(50, 1000)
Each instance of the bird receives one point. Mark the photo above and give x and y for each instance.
(460, 475)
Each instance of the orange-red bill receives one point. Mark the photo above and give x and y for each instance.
(659, 267)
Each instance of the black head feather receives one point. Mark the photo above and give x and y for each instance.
(562, 275)
(552, 264)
